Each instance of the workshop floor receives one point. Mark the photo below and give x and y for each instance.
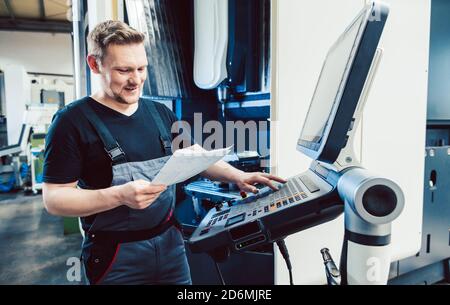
(33, 249)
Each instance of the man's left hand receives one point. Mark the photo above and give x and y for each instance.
(246, 181)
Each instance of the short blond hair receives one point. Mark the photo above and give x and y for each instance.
(111, 32)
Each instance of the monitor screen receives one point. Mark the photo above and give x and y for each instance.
(329, 86)
(340, 84)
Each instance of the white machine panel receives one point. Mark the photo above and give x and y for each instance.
(211, 42)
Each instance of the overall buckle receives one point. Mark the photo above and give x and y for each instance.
(115, 152)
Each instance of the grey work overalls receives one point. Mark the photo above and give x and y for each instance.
(128, 246)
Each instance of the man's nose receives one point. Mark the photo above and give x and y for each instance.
(134, 78)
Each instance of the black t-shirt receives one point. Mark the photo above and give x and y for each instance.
(75, 152)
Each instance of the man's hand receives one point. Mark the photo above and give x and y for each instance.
(140, 194)
(246, 181)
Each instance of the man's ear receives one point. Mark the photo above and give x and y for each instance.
(93, 64)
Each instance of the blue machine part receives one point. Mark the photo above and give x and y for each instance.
(9, 185)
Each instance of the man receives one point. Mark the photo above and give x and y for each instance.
(103, 150)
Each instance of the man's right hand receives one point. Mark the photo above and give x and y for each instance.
(140, 194)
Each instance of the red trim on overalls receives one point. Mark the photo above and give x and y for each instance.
(110, 265)
(168, 217)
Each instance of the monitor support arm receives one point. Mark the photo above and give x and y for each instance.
(371, 204)
(347, 157)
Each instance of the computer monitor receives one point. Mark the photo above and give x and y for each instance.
(340, 84)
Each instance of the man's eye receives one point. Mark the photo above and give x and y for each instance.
(122, 71)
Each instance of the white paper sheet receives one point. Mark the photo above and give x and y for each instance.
(188, 162)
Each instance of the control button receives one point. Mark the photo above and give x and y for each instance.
(304, 196)
(221, 213)
(291, 200)
(278, 204)
(219, 207)
(220, 218)
(204, 231)
(226, 216)
(254, 213)
(249, 199)
(266, 209)
(299, 188)
(309, 184)
(214, 222)
(209, 223)
(352, 124)
(297, 198)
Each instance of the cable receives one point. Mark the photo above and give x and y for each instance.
(284, 251)
(219, 273)
(219, 255)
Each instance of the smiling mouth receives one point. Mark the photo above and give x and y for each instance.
(130, 89)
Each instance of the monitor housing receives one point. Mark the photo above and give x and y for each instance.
(342, 88)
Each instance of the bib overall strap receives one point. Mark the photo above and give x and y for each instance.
(111, 146)
(164, 134)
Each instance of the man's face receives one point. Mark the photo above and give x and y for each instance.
(123, 72)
